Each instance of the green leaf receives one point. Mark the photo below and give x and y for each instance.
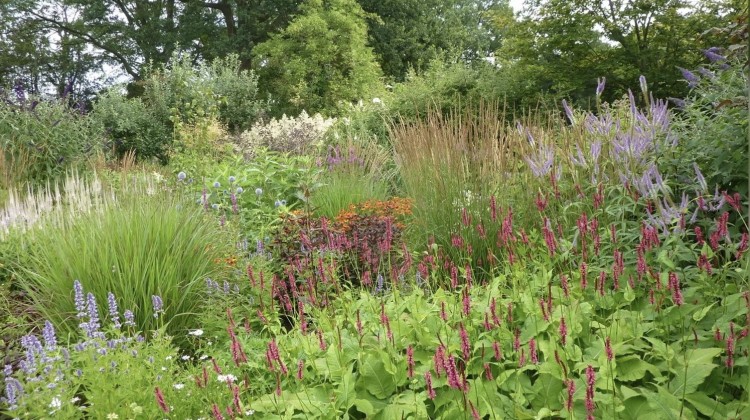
(375, 378)
(688, 380)
(703, 356)
(633, 368)
(707, 405)
(702, 313)
(638, 408)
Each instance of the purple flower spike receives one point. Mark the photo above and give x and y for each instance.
(129, 318)
(568, 112)
(79, 300)
(92, 326)
(48, 333)
(600, 83)
(713, 55)
(158, 305)
(114, 313)
(689, 76)
(644, 85)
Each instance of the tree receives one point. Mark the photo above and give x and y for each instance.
(320, 59)
(409, 34)
(563, 46)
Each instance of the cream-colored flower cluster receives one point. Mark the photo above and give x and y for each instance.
(288, 134)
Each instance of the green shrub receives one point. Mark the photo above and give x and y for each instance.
(133, 125)
(712, 130)
(140, 246)
(40, 140)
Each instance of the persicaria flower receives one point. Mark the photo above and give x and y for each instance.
(563, 331)
(453, 380)
(428, 385)
(410, 361)
(300, 369)
(674, 285)
(532, 352)
(571, 391)
(590, 382)
(160, 400)
(465, 345)
(496, 349)
(608, 349)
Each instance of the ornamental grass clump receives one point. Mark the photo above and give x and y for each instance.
(141, 246)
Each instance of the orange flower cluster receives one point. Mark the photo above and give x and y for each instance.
(395, 208)
(230, 261)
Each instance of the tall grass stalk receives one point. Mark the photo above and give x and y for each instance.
(455, 161)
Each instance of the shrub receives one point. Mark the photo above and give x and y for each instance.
(712, 127)
(41, 139)
(133, 125)
(142, 245)
(296, 135)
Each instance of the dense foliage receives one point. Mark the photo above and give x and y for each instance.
(439, 248)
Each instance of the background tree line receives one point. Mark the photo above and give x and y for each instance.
(315, 54)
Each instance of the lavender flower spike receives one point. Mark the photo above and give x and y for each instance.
(600, 85)
(568, 112)
(48, 333)
(114, 313)
(691, 78)
(129, 318)
(699, 176)
(158, 305)
(644, 85)
(92, 326)
(79, 300)
(713, 55)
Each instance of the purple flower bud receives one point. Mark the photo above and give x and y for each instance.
(7, 370)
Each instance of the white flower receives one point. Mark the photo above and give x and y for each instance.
(376, 101)
(229, 378)
(249, 412)
(186, 357)
(168, 358)
(55, 403)
(74, 400)
(179, 386)
(204, 357)
(196, 333)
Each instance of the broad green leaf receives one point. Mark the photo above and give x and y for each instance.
(706, 405)
(633, 368)
(638, 408)
(703, 356)
(375, 378)
(687, 381)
